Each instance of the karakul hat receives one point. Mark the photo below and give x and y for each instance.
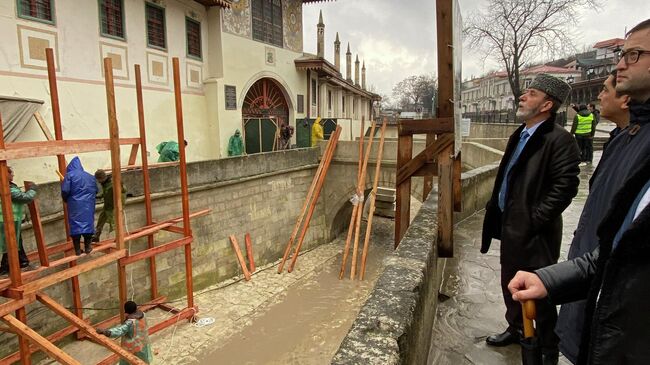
(552, 86)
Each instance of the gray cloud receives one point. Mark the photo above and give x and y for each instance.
(397, 38)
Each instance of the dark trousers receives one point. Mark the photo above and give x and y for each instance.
(546, 314)
(76, 239)
(22, 256)
(586, 146)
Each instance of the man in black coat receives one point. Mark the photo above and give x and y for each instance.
(614, 277)
(537, 179)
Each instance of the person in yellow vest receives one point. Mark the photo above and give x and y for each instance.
(317, 132)
(134, 332)
(584, 128)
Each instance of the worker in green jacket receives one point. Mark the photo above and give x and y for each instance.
(134, 332)
(168, 151)
(107, 215)
(584, 128)
(18, 201)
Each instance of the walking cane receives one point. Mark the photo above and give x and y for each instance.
(531, 354)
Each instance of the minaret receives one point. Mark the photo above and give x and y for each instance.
(356, 71)
(363, 76)
(321, 37)
(337, 53)
(348, 64)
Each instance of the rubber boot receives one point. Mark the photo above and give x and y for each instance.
(88, 247)
(77, 248)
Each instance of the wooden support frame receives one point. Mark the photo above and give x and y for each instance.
(25, 288)
(439, 145)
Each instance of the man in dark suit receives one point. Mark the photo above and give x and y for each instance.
(537, 178)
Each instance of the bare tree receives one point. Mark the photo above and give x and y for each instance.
(517, 32)
(415, 91)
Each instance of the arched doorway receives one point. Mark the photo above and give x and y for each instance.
(264, 112)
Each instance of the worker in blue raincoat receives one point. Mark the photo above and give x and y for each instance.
(78, 190)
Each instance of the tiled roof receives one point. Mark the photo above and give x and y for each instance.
(610, 43)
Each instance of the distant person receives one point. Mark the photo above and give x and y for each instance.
(168, 151)
(235, 144)
(624, 154)
(78, 190)
(134, 332)
(286, 132)
(107, 215)
(614, 107)
(18, 201)
(317, 132)
(595, 112)
(584, 128)
(537, 178)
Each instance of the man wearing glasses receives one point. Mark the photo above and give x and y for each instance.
(609, 259)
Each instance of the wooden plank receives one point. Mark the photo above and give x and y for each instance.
(88, 329)
(40, 341)
(428, 169)
(134, 153)
(445, 203)
(335, 136)
(430, 152)
(37, 227)
(240, 257)
(53, 338)
(373, 196)
(15, 304)
(428, 178)
(11, 238)
(151, 252)
(457, 184)
(18, 150)
(445, 32)
(360, 192)
(403, 189)
(441, 125)
(72, 272)
(185, 199)
(174, 229)
(249, 253)
(43, 125)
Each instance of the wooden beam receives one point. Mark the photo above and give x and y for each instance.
(18, 150)
(445, 203)
(458, 193)
(430, 152)
(40, 341)
(407, 127)
(71, 272)
(14, 304)
(37, 227)
(240, 257)
(403, 188)
(88, 329)
(10, 234)
(151, 252)
(43, 125)
(53, 338)
(427, 181)
(134, 154)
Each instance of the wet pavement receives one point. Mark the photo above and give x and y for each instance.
(471, 304)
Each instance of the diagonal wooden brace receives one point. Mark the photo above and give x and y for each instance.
(88, 329)
(428, 154)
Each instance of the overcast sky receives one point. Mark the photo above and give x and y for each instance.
(398, 40)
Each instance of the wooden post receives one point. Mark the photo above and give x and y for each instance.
(249, 253)
(334, 137)
(373, 198)
(43, 125)
(403, 190)
(145, 179)
(428, 179)
(240, 257)
(58, 135)
(360, 193)
(458, 192)
(445, 31)
(184, 187)
(37, 227)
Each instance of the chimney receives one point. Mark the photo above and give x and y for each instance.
(363, 76)
(337, 53)
(348, 64)
(321, 37)
(356, 71)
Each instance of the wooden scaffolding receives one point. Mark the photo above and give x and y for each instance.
(21, 289)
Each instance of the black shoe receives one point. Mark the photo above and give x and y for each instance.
(24, 264)
(88, 248)
(95, 238)
(550, 358)
(503, 339)
(4, 271)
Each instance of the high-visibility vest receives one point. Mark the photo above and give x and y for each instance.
(140, 336)
(584, 124)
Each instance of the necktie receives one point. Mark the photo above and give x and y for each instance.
(629, 218)
(523, 137)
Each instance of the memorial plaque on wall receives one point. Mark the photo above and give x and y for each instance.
(231, 97)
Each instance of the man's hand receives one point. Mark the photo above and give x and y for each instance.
(527, 285)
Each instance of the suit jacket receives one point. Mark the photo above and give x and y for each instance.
(542, 183)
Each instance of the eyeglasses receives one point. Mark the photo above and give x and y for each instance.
(632, 56)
